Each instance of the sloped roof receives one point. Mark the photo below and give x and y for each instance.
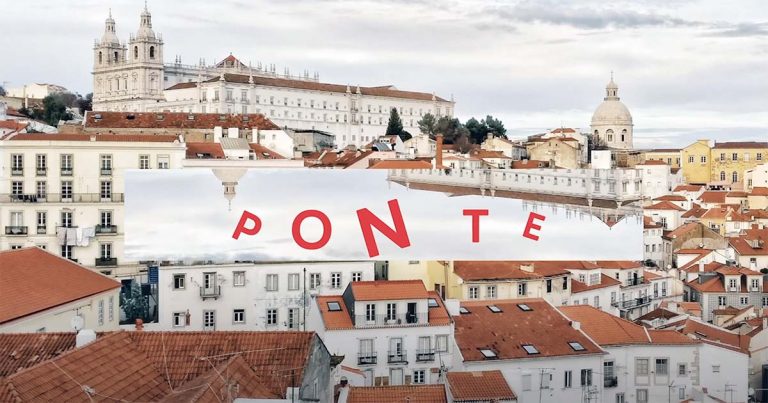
(401, 164)
(118, 138)
(398, 394)
(388, 290)
(24, 350)
(479, 386)
(713, 196)
(741, 144)
(175, 120)
(664, 205)
(605, 281)
(687, 188)
(34, 280)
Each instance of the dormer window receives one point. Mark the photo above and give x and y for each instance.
(464, 311)
(576, 346)
(432, 303)
(334, 306)
(488, 354)
(530, 349)
(494, 309)
(524, 307)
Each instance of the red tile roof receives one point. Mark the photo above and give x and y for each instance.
(401, 164)
(505, 333)
(664, 205)
(712, 196)
(605, 281)
(712, 334)
(204, 150)
(493, 270)
(398, 394)
(380, 91)
(388, 290)
(653, 162)
(34, 280)
(743, 244)
(687, 188)
(128, 138)
(529, 164)
(23, 350)
(479, 386)
(175, 120)
(759, 191)
(264, 153)
(741, 144)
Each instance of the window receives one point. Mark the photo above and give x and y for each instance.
(66, 190)
(41, 164)
(682, 370)
(179, 281)
(690, 159)
(271, 282)
(334, 306)
(490, 292)
(721, 301)
(474, 292)
(716, 369)
(494, 309)
(293, 281)
(106, 164)
(522, 289)
(524, 307)
(42, 222)
(620, 398)
(488, 353)
(441, 343)
(641, 366)
(106, 190)
(238, 316)
(67, 164)
(549, 286)
(642, 396)
(66, 252)
(209, 320)
(530, 349)
(419, 376)
(568, 379)
(105, 219)
(576, 346)
(179, 319)
(357, 276)
(722, 156)
(17, 188)
(101, 312)
(586, 377)
(105, 250)
(526, 378)
(759, 156)
(662, 367)
(391, 311)
(238, 278)
(703, 159)
(335, 280)
(370, 312)
(744, 300)
(66, 219)
(272, 316)
(314, 281)
(143, 161)
(17, 164)
(163, 162)
(735, 156)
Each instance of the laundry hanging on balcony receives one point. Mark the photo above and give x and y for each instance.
(84, 235)
(66, 236)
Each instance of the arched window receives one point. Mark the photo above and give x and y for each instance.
(623, 134)
(117, 83)
(135, 52)
(100, 58)
(116, 57)
(151, 52)
(609, 135)
(722, 175)
(734, 177)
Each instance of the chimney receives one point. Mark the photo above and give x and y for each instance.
(765, 322)
(217, 133)
(139, 325)
(85, 336)
(439, 152)
(576, 325)
(701, 266)
(233, 132)
(528, 267)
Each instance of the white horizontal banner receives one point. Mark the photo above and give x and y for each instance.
(226, 214)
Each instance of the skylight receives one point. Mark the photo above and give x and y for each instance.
(524, 307)
(530, 349)
(488, 353)
(463, 310)
(334, 306)
(576, 346)
(494, 308)
(432, 303)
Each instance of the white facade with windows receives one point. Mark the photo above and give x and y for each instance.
(65, 193)
(249, 296)
(612, 123)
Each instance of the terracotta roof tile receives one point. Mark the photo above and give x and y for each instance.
(34, 280)
(505, 333)
(712, 334)
(398, 394)
(401, 164)
(491, 270)
(479, 386)
(23, 350)
(175, 120)
(672, 198)
(653, 162)
(605, 281)
(687, 188)
(712, 196)
(204, 150)
(388, 290)
(120, 138)
(759, 191)
(741, 144)
(664, 205)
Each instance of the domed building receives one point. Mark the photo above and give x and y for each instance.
(612, 122)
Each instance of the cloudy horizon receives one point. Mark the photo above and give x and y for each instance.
(686, 69)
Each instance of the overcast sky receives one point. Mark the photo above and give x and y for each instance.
(182, 214)
(686, 68)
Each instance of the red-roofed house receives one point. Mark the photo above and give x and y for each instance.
(751, 247)
(396, 332)
(666, 213)
(42, 292)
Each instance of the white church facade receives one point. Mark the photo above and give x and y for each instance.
(612, 123)
(131, 76)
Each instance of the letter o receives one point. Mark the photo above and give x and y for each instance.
(296, 229)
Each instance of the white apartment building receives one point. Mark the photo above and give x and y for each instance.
(654, 245)
(635, 297)
(620, 185)
(132, 76)
(65, 192)
(658, 178)
(725, 286)
(666, 213)
(591, 287)
(543, 355)
(250, 296)
(396, 332)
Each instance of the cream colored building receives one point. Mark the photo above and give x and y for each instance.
(612, 123)
(561, 152)
(670, 156)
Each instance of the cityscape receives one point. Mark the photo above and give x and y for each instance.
(118, 196)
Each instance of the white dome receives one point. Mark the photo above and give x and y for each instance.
(612, 112)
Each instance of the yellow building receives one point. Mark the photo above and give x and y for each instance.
(561, 152)
(730, 160)
(670, 156)
(695, 162)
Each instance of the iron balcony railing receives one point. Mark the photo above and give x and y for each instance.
(41, 229)
(62, 198)
(106, 229)
(210, 292)
(391, 320)
(106, 171)
(67, 172)
(17, 171)
(425, 355)
(397, 357)
(42, 171)
(632, 303)
(366, 358)
(610, 381)
(633, 282)
(15, 230)
(106, 261)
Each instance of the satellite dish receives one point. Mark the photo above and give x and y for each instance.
(77, 322)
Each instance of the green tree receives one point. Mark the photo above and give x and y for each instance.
(477, 130)
(2, 91)
(451, 128)
(495, 126)
(427, 124)
(54, 110)
(395, 125)
(134, 305)
(85, 103)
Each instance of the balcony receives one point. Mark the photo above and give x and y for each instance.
(42, 171)
(633, 282)
(67, 171)
(17, 171)
(610, 381)
(413, 319)
(106, 171)
(15, 230)
(425, 355)
(366, 359)
(62, 198)
(105, 261)
(210, 292)
(632, 303)
(106, 229)
(397, 357)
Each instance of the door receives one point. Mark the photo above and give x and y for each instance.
(209, 283)
(396, 350)
(411, 316)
